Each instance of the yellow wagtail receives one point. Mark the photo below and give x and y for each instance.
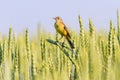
(62, 29)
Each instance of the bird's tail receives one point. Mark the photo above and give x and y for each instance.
(70, 43)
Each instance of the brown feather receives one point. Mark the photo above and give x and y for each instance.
(70, 43)
(68, 34)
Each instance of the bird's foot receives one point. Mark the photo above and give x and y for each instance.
(63, 44)
(57, 41)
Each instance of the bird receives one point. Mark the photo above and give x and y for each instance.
(62, 30)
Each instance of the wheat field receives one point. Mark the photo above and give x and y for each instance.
(96, 55)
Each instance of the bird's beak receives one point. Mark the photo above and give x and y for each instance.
(54, 18)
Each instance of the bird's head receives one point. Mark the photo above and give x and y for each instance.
(58, 19)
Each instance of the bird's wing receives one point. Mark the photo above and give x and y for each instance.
(67, 31)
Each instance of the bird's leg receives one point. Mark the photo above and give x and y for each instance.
(63, 42)
(60, 38)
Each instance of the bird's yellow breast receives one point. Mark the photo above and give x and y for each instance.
(60, 29)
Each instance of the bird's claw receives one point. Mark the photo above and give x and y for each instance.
(63, 44)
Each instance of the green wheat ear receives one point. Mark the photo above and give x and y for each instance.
(82, 54)
(93, 50)
(33, 62)
(27, 45)
(1, 54)
(118, 25)
(7, 68)
(10, 45)
(16, 65)
(81, 32)
(109, 54)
